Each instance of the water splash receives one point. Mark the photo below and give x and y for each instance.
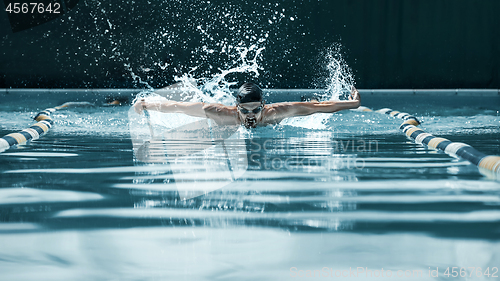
(337, 83)
(215, 88)
(136, 78)
(220, 37)
(340, 79)
(230, 43)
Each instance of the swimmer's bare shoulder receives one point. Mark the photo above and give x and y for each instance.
(276, 112)
(222, 114)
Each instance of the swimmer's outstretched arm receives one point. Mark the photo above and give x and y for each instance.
(196, 109)
(334, 106)
(281, 111)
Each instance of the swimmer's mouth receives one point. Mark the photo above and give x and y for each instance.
(250, 122)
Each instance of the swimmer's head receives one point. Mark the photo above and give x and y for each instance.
(250, 104)
(249, 92)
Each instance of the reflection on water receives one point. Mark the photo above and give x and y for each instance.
(271, 199)
(312, 181)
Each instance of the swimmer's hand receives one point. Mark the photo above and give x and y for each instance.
(355, 96)
(140, 105)
(354, 101)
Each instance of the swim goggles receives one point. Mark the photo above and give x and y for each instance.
(255, 110)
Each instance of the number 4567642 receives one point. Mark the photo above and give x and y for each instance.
(31, 8)
(462, 272)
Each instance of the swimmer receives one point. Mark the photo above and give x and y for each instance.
(250, 110)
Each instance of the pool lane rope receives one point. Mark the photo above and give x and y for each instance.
(419, 136)
(43, 125)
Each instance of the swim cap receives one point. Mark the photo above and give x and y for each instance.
(249, 92)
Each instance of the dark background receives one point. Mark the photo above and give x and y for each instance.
(131, 44)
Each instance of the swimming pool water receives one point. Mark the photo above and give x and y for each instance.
(336, 192)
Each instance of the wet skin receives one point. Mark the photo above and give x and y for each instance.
(243, 114)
